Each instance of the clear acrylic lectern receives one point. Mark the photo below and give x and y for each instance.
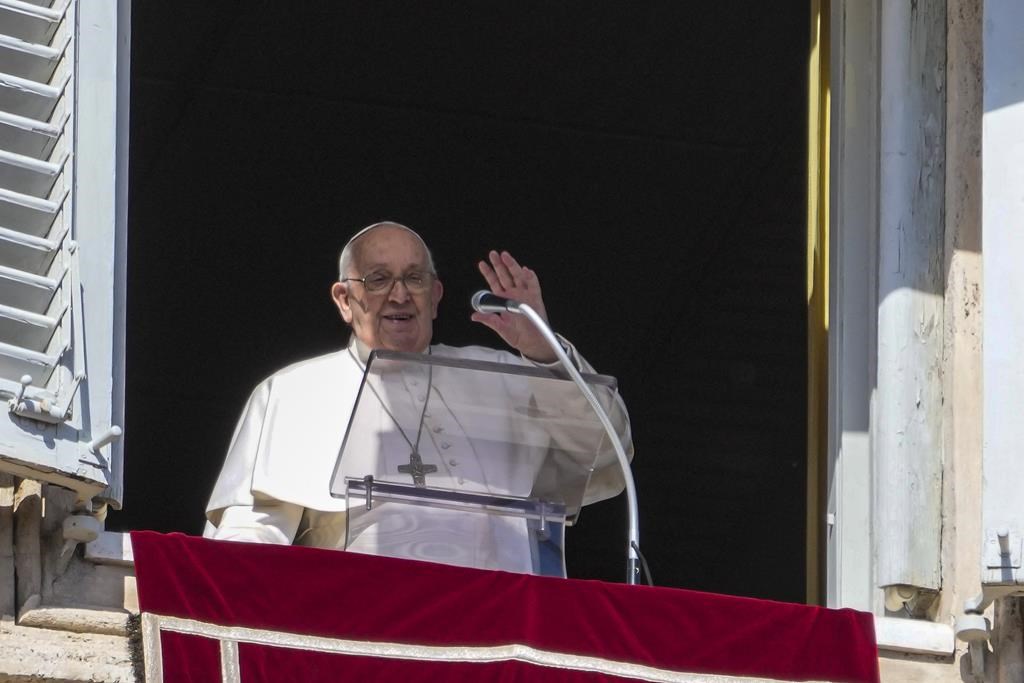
(470, 463)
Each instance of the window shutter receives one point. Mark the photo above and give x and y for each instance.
(63, 68)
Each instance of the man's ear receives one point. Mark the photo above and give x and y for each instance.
(339, 294)
(437, 291)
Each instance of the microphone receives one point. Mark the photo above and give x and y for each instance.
(486, 302)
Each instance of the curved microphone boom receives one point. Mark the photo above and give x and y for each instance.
(487, 302)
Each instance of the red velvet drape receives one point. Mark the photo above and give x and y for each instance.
(373, 600)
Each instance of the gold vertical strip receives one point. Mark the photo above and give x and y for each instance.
(818, 100)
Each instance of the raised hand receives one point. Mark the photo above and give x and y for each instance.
(507, 278)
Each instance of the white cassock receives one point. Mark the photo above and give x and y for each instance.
(275, 483)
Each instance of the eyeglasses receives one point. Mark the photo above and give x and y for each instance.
(416, 282)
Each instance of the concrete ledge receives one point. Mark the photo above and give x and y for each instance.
(914, 636)
(76, 620)
(35, 654)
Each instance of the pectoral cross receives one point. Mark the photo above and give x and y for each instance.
(417, 469)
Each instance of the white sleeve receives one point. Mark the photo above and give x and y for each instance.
(574, 357)
(606, 479)
(271, 522)
(234, 483)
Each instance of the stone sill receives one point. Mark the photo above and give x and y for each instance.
(911, 636)
(110, 547)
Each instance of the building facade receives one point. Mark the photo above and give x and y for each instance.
(915, 224)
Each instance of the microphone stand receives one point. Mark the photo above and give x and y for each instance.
(633, 549)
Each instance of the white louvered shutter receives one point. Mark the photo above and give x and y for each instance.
(62, 238)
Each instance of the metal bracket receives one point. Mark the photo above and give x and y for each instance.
(915, 601)
(43, 409)
(368, 482)
(542, 521)
(1002, 551)
(78, 527)
(974, 629)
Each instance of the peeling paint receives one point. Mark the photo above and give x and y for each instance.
(911, 289)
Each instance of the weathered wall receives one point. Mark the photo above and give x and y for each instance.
(962, 348)
(63, 617)
(961, 414)
(962, 423)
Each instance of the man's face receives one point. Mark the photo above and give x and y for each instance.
(394, 318)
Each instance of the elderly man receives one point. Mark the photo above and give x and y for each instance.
(273, 487)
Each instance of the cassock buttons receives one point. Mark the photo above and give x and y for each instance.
(445, 445)
(438, 429)
(453, 462)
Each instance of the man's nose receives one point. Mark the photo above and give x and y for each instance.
(399, 292)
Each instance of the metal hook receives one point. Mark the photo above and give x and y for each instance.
(107, 437)
(25, 381)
